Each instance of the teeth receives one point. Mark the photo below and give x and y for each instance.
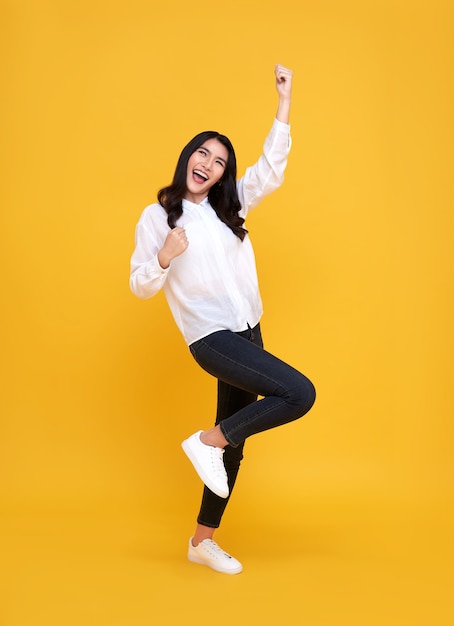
(202, 174)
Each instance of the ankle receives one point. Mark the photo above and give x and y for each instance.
(213, 437)
(207, 439)
(195, 541)
(202, 533)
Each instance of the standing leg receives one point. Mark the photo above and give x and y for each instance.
(213, 507)
(230, 400)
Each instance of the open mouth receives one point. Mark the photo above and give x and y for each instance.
(199, 176)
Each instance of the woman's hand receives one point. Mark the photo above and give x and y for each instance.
(283, 81)
(175, 244)
(284, 78)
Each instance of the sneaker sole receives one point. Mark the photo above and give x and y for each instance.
(204, 477)
(199, 561)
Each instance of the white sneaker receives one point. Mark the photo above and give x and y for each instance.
(209, 553)
(208, 463)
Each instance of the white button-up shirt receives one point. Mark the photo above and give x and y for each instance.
(213, 284)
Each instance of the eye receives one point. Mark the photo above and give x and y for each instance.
(202, 152)
(221, 163)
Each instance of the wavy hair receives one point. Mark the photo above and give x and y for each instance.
(223, 196)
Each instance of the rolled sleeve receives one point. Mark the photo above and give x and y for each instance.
(147, 276)
(268, 173)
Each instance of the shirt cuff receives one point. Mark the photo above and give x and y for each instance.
(157, 267)
(281, 125)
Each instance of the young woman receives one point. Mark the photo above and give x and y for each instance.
(194, 245)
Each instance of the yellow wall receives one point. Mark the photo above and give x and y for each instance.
(355, 252)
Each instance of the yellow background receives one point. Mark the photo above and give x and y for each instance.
(344, 517)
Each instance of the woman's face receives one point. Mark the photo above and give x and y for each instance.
(205, 168)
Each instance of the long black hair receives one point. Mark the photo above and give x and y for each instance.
(223, 196)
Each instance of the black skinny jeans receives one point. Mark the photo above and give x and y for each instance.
(245, 371)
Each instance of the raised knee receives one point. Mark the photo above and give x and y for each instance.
(304, 395)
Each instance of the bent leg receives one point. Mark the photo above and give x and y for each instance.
(287, 394)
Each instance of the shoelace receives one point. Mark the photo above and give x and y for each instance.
(215, 550)
(217, 461)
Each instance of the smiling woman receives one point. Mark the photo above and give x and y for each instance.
(193, 245)
(205, 168)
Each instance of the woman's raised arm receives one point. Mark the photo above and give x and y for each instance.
(284, 88)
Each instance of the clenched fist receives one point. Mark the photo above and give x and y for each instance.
(175, 244)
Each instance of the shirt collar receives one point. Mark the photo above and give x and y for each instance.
(205, 203)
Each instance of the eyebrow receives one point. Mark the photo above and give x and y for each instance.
(208, 150)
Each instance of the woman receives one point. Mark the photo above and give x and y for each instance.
(194, 245)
